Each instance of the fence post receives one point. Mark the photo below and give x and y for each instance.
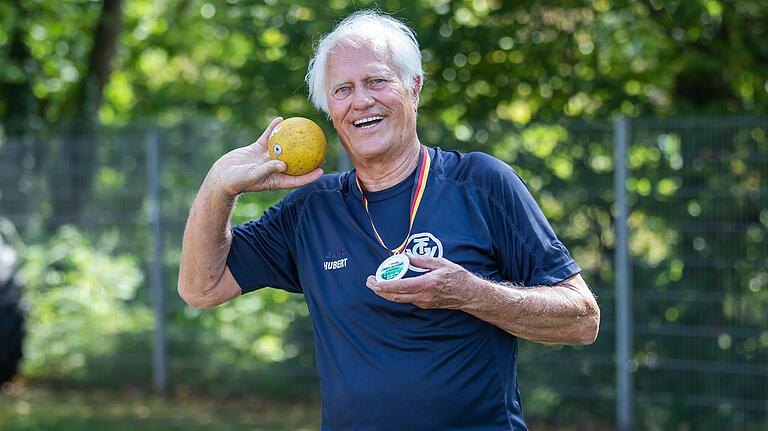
(159, 361)
(624, 386)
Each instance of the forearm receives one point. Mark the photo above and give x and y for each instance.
(563, 314)
(206, 243)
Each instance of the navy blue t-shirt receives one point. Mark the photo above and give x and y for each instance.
(391, 366)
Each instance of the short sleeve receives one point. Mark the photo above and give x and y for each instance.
(262, 253)
(527, 247)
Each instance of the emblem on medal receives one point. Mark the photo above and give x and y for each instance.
(393, 268)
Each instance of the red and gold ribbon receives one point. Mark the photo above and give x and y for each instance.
(420, 183)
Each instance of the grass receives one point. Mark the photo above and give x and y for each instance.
(41, 409)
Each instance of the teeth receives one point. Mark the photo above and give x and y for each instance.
(365, 120)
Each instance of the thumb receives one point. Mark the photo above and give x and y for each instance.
(424, 262)
(261, 143)
(272, 167)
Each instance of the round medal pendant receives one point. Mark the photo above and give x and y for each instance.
(393, 268)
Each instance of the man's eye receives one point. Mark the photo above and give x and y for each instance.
(377, 81)
(342, 90)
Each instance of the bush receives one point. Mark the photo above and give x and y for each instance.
(84, 322)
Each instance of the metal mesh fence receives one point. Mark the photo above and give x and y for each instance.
(698, 190)
(698, 222)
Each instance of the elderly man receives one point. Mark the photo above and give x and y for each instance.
(436, 349)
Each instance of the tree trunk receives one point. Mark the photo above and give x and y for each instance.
(21, 108)
(77, 159)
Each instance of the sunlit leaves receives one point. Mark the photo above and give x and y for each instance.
(274, 40)
(652, 240)
(580, 61)
(121, 99)
(542, 140)
(667, 187)
(519, 111)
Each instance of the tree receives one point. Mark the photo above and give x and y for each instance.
(77, 156)
(499, 74)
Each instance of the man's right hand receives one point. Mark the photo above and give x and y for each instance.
(249, 169)
(204, 279)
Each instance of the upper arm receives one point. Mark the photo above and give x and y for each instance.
(262, 252)
(528, 250)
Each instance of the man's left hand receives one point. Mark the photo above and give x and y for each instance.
(446, 285)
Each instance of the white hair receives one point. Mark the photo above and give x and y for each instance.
(370, 26)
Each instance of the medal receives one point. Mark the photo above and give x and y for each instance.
(418, 191)
(393, 268)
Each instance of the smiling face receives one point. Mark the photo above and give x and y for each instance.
(372, 109)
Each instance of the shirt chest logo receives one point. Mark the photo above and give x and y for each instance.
(424, 244)
(335, 259)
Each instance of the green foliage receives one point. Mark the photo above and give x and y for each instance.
(698, 222)
(493, 62)
(252, 344)
(82, 308)
(89, 322)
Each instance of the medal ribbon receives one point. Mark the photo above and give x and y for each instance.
(420, 183)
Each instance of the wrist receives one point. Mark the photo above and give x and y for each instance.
(215, 197)
(228, 195)
(218, 189)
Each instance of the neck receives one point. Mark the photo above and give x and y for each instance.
(377, 176)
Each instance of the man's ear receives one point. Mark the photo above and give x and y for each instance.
(415, 92)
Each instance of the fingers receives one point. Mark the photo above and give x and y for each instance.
(404, 286)
(270, 168)
(426, 262)
(403, 298)
(264, 176)
(288, 181)
(393, 291)
(270, 176)
(262, 141)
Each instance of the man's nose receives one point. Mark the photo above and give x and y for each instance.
(362, 99)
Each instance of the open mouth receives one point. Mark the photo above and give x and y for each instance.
(368, 122)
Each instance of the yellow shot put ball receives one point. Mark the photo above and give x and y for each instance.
(298, 142)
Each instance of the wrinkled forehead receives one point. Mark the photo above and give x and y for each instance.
(365, 46)
(361, 56)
